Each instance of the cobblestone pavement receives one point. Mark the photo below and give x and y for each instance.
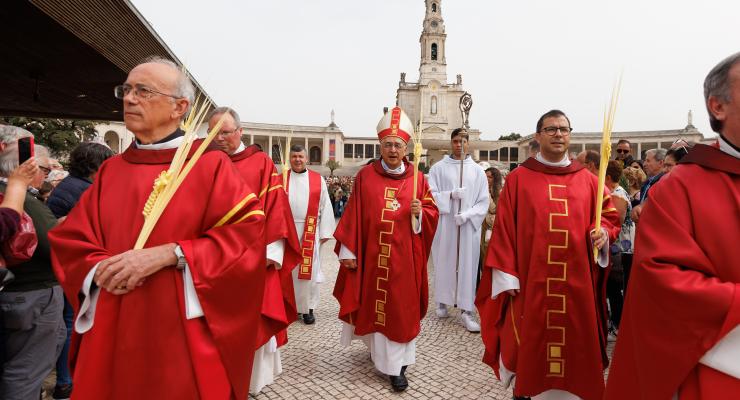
(448, 358)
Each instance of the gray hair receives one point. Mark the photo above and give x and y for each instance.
(9, 133)
(184, 87)
(659, 154)
(40, 151)
(297, 148)
(717, 84)
(9, 159)
(223, 110)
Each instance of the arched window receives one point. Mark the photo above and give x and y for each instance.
(434, 51)
(434, 7)
(112, 140)
(433, 109)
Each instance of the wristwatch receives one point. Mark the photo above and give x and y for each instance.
(181, 260)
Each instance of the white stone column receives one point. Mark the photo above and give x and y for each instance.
(251, 140)
(639, 150)
(269, 146)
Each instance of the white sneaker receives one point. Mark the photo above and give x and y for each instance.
(442, 311)
(469, 322)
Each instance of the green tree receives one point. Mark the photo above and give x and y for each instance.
(59, 135)
(511, 136)
(332, 165)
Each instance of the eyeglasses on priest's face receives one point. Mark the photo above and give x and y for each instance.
(396, 145)
(139, 91)
(552, 130)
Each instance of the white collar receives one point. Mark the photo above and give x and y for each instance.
(562, 163)
(727, 148)
(397, 171)
(239, 149)
(170, 144)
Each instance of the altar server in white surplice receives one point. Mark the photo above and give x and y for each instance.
(314, 223)
(464, 207)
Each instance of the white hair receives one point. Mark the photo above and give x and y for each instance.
(9, 133)
(184, 87)
(224, 110)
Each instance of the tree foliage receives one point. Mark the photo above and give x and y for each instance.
(511, 136)
(59, 135)
(332, 165)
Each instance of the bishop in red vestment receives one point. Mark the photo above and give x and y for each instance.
(542, 295)
(680, 336)
(382, 285)
(178, 318)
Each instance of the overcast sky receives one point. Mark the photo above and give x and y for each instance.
(293, 61)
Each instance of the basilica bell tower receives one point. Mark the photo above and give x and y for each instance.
(433, 63)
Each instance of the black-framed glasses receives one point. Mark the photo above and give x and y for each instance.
(623, 151)
(140, 91)
(552, 130)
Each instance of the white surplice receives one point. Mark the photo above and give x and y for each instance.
(444, 177)
(307, 292)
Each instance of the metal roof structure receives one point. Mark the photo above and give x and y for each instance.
(62, 58)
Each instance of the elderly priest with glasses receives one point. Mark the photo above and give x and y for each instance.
(176, 319)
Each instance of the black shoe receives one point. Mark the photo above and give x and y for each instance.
(522, 398)
(62, 392)
(399, 382)
(403, 370)
(309, 319)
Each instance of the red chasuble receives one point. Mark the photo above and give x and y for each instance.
(312, 220)
(278, 302)
(684, 290)
(141, 344)
(553, 333)
(388, 291)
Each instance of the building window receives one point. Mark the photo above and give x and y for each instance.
(434, 51)
(348, 150)
(315, 155)
(505, 154)
(358, 151)
(434, 7)
(514, 154)
(483, 155)
(369, 148)
(493, 155)
(276, 157)
(377, 151)
(433, 109)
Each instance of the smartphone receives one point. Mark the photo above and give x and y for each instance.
(25, 149)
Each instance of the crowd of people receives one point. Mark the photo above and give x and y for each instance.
(200, 308)
(340, 187)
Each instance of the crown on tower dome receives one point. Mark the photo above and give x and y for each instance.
(395, 124)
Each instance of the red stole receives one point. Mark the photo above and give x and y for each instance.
(310, 226)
